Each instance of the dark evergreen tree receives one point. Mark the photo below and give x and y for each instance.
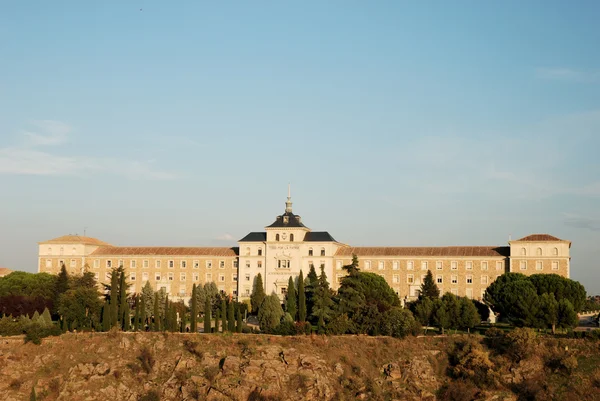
(123, 305)
(136, 316)
(230, 317)
(143, 314)
(258, 293)
(62, 283)
(106, 323)
(238, 328)
(428, 288)
(207, 317)
(217, 320)
(156, 314)
(352, 268)
(301, 299)
(310, 286)
(126, 318)
(291, 301)
(194, 311)
(114, 296)
(224, 315)
(322, 300)
(165, 317)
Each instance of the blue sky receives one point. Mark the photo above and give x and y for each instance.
(397, 123)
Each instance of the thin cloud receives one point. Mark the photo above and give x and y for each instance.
(568, 75)
(52, 133)
(225, 237)
(582, 222)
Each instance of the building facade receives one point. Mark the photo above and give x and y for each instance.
(287, 247)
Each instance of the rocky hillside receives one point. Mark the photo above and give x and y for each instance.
(153, 366)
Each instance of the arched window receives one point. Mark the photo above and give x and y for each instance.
(523, 252)
(555, 252)
(538, 252)
(310, 251)
(276, 237)
(322, 251)
(248, 251)
(291, 237)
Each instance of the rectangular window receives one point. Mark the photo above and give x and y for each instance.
(183, 264)
(170, 276)
(367, 265)
(469, 279)
(132, 276)
(196, 264)
(157, 276)
(247, 264)
(338, 265)
(171, 264)
(145, 264)
(209, 264)
(484, 280)
(196, 277)
(145, 276)
(283, 264)
(381, 265)
(259, 264)
(484, 265)
(469, 265)
(424, 265)
(247, 277)
(234, 277)
(395, 265)
(396, 278)
(469, 293)
(157, 264)
(235, 264)
(49, 263)
(454, 279)
(120, 263)
(109, 264)
(96, 263)
(454, 291)
(221, 277)
(539, 265)
(439, 279)
(132, 264)
(523, 265)
(73, 263)
(499, 265)
(410, 279)
(554, 265)
(182, 290)
(410, 265)
(221, 264)
(454, 265)
(182, 277)
(208, 277)
(438, 265)
(247, 290)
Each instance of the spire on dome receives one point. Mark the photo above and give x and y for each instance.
(288, 203)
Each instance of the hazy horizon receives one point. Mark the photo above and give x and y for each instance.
(397, 124)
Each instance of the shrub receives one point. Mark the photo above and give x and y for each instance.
(458, 390)
(285, 328)
(146, 359)
(34, 332)
(530, 389)
(469, 361)
(520, 343)
(398, 322)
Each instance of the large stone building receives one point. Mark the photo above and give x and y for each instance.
(287, 246)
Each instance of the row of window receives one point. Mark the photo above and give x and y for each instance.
(310, 251)
(539, 265)
(410, 279)
(171, 277)
(183, 264)
(539, 252)
(62, 251)
(439, 265)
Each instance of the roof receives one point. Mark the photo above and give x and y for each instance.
(318, 236)
(164, 251)
(4, 271)
(476, 251)
(75, 239)
(288, 219)
(255, 237)
(539, 237)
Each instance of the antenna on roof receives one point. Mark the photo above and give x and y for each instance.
(509, 237)
(84, 230)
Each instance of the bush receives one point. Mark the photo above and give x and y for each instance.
(469, 361)
(285, 328)
(520, 343)
(34, 332)
(458, 390)
(10, 326)
(398, 322)
(146, 359)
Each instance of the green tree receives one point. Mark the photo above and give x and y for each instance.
(322, 301)
(136, 316)
(32, 395)
(148, 298)
(230, 317)
(452, 306)
(123, 304)
(106, 323)
(194, 311)
(114, 296)
(469, 317)
(310, 285)
(398, 322)
(142, 322)
(549, 311)
(441, 318)
(290, 301)
(301, 298)
(224, 315)
(561, 287)
(567, 317)
(62, 282)
(156, 313)
(212, 292)
(352, 268)
(423, 311)
(80, 307)
(270, 313)
(207, 317)
(126, 318)
(165, 315)
(238, 328)
(258, 293)
(495, 293)
(217, 320)
(428, 288)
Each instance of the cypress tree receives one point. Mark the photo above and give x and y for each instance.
(207, 319)
(290, 304)
(224, 315)
(114, 295)
(194, 311)
(217, 318)
(123, 305)
(106, 324)
(156, 320)
(143, 314)
(238, 328)
(312, 282)
(230, 317)
(62, 284)
(258, 293)
(32, 396)
(126, 318)
(165, 325)
(301, 299)
(136, 316)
